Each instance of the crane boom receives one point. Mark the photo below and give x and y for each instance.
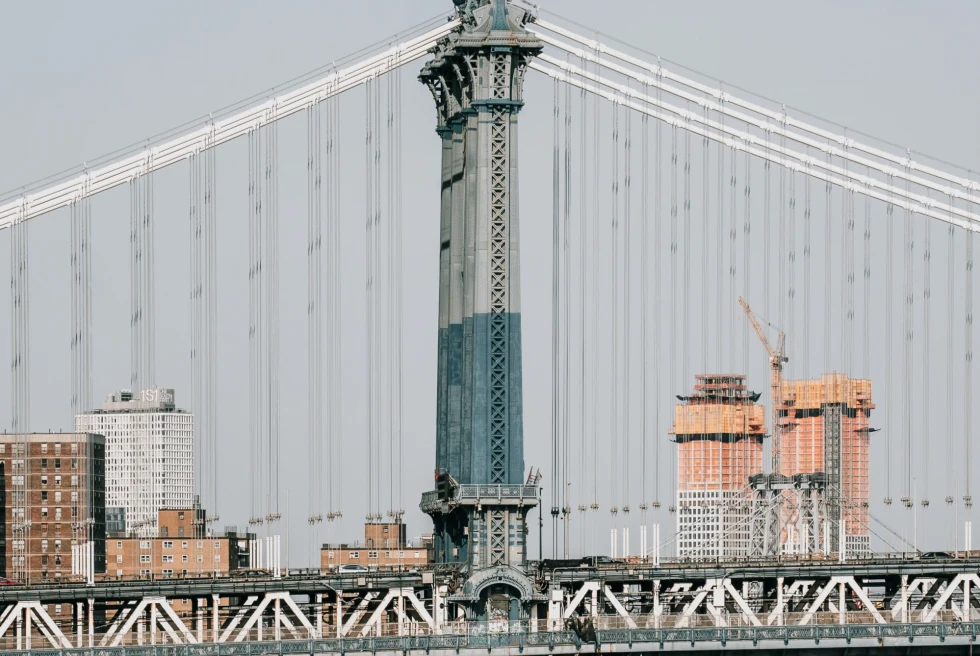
(776, 357)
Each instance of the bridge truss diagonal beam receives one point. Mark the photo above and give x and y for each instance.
(155, 157)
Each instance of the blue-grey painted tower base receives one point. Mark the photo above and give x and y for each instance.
(481, 505)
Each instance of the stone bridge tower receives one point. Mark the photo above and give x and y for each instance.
(481, 503)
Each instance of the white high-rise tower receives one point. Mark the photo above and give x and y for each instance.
(149, 462)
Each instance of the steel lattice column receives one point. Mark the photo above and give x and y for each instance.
(476, 78)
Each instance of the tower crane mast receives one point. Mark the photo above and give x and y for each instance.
(777, 356)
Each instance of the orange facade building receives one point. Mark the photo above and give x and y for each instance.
(719, 431)
(824, 428)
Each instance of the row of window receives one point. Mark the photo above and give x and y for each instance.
(372, 555)
(169, 544)
(17, 449)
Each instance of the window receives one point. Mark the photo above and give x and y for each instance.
(18, 480)
(57, 480)
(119, 572)
(167, 558)
(183, 545)
(373, 554)
(144, 572)
(183, 558)
(183, 572)
(74, 496)
(44, 511)
(416, 554)
(118, 545)
(144, 558)
(74, 448)
(44, 463)
(329, 555)
(118, 558)
(354, 555)
(44, 495)
(74, 480)
(217, 558)
(200, 544)
(44, 545)
(57, 514)
(74, 463)
(57, 561)
(144, 544)
(57, 496)
(168, 544)
(200, 558)
(57, 609)
(57, 545)
(44, 449)
(168, 572)
(44, 480)
(57, 448)
(217, 546)
(180, 516)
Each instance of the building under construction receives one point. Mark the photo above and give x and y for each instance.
(719, 431)
(824, 435)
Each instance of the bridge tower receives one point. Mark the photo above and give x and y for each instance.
(480, 505)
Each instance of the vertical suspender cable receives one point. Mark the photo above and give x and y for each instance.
(389, 305)
(686, 331)
(398, 323)
(732, 266)
(924, 441)
(253, 423)
(211, 216)
(747, 249)
(950, 273)
(380, 361)
(704, 248)
(627, 273)
(596, 114)
(337, 446)
(806, 270)
(582, 213)
(195, 288)
(867, 284)
(720, 236)
(968, 370)
(657, 309)
(369, 286)
(828, 191)
(646, 253)
(674, 383)
(555, 337)
(791, 263)
(614, 316)
(566, 325)
(889, 346)
(907, 361)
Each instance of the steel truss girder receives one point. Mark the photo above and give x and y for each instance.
(725, 602)
(177, 149)
(18, 618)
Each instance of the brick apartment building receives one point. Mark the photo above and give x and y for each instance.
(181, 549)
(385, 547)
(53, 500)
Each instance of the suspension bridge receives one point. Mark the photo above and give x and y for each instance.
(674, 197)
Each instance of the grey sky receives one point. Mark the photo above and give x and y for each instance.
(81, 80)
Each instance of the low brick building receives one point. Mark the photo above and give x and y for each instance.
(53, 503)
(385, 547)
(183, 547)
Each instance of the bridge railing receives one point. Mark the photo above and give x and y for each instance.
(663, 639)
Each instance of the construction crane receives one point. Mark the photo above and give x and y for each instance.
(777, 356)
